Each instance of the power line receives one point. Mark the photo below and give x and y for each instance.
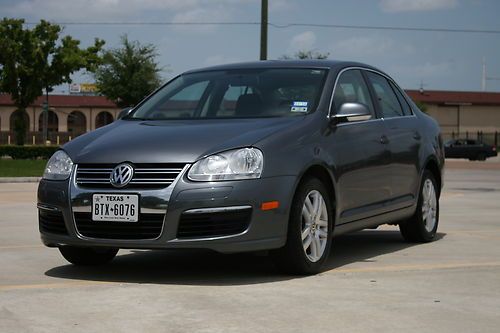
(283, 26)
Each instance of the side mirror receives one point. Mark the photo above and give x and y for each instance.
(125, 112)
(351, 112)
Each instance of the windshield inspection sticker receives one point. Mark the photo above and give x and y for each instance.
(299, 107)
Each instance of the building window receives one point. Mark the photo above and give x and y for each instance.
(52, 122)
(103, 118)
(77, 123)
(20, 120)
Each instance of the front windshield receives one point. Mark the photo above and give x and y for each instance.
(246, 93)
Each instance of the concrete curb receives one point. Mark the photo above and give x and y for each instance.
(20, 179)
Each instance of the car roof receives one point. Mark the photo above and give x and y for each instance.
(309, 63)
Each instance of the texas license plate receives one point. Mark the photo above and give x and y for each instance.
(115, 207)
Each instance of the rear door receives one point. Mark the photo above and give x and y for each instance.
(361, 155)
(404, 139)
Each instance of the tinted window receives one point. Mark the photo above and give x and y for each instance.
(387, 99)
(402, 100)
(183, 103)
(351, 88)
(236, 94)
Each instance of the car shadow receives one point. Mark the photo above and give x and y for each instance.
(198, 267)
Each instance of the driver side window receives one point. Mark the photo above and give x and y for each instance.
(351, 88)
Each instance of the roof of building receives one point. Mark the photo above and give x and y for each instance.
(74, 101)
(455, 97)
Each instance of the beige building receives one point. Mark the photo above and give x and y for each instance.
(68, 117)
(463, 113)
(460, 114)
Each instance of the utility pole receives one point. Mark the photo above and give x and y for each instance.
(483, 81)
(263, 30)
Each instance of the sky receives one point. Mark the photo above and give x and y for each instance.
(436, 60)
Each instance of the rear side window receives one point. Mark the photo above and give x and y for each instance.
(351, 88)
(387, 99)
(404, 104)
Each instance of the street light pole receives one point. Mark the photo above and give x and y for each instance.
(263, 30)
(45, 106)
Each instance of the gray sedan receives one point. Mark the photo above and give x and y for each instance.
(274, 155)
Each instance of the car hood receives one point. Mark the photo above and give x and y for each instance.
(170, 141)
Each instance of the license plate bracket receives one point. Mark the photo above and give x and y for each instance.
(113, 207)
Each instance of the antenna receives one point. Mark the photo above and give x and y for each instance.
(422, 85)
(486, 77)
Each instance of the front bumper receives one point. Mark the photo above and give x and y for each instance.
(266, 229)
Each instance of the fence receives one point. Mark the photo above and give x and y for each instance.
(36, 138)
(491, 138)
(59, 138)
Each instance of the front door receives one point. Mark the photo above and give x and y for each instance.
(361, 152)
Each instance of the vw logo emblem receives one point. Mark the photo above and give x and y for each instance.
(121, 175)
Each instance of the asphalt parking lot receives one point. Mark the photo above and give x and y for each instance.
(374, 280)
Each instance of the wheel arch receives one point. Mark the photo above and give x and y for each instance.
(322, 172)
(433, 166)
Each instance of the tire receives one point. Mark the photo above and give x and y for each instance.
(481, 157)
(316, 226)
(422, 226)
(87, 256)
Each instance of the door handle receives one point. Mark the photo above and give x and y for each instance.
(384, 140)
(416, 136)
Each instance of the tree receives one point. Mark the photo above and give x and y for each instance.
(32, 60)
(422, 106)
(128, 73)
(303, 54)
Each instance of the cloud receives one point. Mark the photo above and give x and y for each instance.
(219, 60)
(425, 70)
(201, 15)
(281, 5)
(395, 6)
(364, 46)
(113, 10)
(303, 41)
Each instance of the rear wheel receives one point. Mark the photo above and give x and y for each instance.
(309, 230)
(87, 256)
(481, 157)
(423, 225)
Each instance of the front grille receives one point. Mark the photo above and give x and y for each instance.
(214, 224)
(149, 226)
(51, 222)
(149, 176)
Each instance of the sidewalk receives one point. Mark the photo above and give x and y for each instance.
(20, 179)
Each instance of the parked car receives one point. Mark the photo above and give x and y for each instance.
(471, 149)
(273, 155)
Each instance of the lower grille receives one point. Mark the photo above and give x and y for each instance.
(149, 226)
(51, 222)
(213, 224)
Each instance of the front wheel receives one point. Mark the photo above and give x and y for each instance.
(87, 256)
(422, 227)
(309, 230)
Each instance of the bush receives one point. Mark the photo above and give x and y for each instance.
(28, 152)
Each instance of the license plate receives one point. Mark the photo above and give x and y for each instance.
(115, 207)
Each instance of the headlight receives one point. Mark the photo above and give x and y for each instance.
(244, 163)
(58, 167)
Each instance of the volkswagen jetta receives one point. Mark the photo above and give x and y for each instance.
(274, 155)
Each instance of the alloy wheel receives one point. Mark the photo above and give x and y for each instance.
(314, 225)
(429, 205)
